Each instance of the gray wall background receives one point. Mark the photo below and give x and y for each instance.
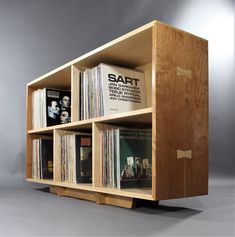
(38, 36)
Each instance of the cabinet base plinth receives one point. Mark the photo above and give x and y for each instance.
(98, 198)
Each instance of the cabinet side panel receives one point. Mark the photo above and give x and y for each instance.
(154, 126)
(29, 92)
(181, 102)
(28, 156)
(196, 169)
(29, 110)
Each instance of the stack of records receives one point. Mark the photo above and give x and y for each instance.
(42, 158)
(107, 89)
(76, 158)
(126, 157)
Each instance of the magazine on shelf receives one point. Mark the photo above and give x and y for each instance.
(76, 158)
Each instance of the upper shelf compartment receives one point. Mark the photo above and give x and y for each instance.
(59, 78)
(130, 50)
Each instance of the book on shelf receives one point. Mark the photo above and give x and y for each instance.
(42, 158)
(76, 158)
(108, 89)
(51, 107)
(126, 158)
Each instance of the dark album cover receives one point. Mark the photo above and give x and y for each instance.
(135, 158)
(84, 158)
(58, 106)
(46, 147)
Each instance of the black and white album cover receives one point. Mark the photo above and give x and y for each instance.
(58, 106)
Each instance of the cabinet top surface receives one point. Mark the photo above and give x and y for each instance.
(142, 34)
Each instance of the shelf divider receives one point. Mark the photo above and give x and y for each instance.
(75, 93)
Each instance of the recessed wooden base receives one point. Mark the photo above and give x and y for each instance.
(99, 198)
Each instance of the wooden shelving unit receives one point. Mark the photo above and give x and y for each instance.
(175, 64)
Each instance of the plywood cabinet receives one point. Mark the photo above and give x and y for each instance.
(175, 64)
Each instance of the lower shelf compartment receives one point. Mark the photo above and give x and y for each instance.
(141, 193)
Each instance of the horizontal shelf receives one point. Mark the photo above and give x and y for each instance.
(143, 193)
(143, 116)
(82, 125)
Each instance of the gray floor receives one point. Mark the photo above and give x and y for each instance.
(32, 212)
